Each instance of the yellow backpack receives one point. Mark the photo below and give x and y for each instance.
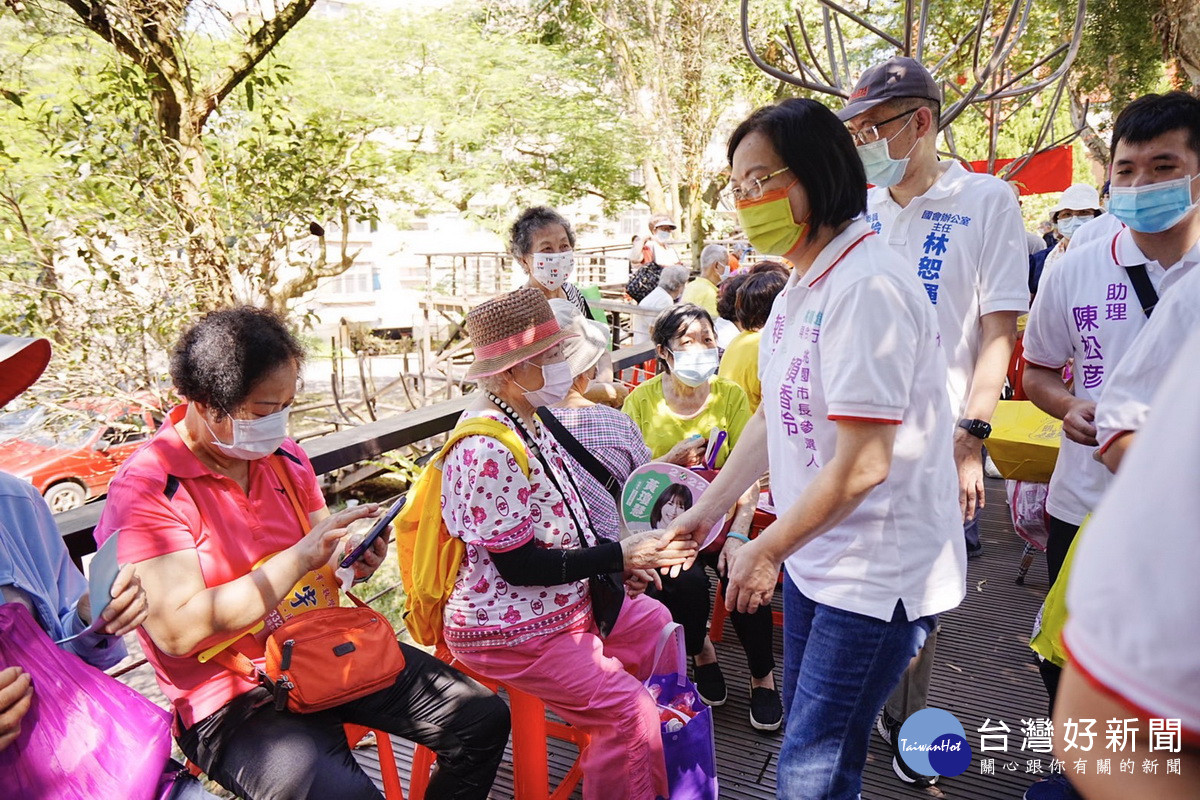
(429, 555)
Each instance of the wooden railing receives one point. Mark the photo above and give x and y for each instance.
(337, 450)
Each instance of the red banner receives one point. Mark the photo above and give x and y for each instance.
(1050, 171)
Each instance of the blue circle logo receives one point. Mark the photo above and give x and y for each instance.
(933, 742)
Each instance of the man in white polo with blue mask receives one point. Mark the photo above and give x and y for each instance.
(963, 235)
(1093, 307)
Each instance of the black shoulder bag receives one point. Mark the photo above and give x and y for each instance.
(594, 466)
(1143, 288)
(607, 590)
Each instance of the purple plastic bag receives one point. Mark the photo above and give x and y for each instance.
(690, 752)
(86, 735)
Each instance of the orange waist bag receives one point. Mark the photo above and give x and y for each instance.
(324, 658)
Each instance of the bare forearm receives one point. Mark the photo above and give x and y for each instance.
(743, 512)
(991, 366)
(836, 491)
(1045, 388)
(1115, 452)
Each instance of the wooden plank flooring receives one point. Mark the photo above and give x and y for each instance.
(984, 669)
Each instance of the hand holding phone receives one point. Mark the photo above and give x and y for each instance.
(376, 531)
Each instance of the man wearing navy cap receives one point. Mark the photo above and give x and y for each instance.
(963, 234)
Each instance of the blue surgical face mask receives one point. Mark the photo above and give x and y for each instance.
(1152, 208)
(1069, 225)
(694, 367)
(881, 168)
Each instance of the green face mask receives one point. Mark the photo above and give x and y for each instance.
(768, 223)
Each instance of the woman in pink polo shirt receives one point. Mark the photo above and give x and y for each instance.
(199, 507)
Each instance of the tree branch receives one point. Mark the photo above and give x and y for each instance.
(257, 46)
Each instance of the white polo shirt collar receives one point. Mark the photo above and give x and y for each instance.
(837, 249)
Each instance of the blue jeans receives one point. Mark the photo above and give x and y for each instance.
(838, 669)
(971, 533)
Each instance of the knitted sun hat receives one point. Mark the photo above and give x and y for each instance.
(511, 328)
(21, 363)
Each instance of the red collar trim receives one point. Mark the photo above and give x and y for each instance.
(839, 259)
(1116, 260)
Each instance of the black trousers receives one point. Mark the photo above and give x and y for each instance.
(686, 597)
(263, 754)
(1058, 541)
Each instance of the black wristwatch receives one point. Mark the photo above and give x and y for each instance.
(976, 427)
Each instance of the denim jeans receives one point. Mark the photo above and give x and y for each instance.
(971, 533)
(838, 668)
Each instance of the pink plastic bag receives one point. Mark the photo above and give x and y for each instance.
(86, 735)
(1027, 502)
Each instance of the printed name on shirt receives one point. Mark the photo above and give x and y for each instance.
(1087, 319)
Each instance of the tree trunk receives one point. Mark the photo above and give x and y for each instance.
(1097, 148)
(206, 247)
(1178, 25)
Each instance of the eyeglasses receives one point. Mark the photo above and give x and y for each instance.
(756, 187)
(871, 132)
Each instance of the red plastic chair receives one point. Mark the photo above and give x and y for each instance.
(531, 732)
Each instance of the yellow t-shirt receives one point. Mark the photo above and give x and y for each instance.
(726, 409)
(740, 365)
(703, 293)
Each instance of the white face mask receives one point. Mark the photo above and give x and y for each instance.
(883, 170)
(663, 236)
(694, 367)
(254, 438)
(552, 269)
(556, 382)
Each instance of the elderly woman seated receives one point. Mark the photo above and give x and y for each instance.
(522, 610)
(222, 516)
(687, 400)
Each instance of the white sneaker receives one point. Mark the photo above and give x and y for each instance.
(989, 468)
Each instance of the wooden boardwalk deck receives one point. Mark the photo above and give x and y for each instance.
(984, 669)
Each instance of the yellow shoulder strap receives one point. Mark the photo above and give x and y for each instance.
(486, 426)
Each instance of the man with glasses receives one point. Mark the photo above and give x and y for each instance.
(963, 235)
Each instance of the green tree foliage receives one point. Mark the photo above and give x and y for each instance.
(681, 78)
(479, 120)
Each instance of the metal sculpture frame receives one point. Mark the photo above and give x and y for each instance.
(991, 84)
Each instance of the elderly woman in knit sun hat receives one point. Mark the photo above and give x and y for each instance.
(521, 612)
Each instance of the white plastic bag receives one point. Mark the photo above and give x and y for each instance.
(1027, 503)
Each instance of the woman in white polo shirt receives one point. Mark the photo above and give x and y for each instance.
(856, 428)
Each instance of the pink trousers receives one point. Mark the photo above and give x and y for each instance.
(587, 681)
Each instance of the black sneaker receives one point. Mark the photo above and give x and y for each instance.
(887, 727)
(974, 552)
(710, 684)
(908, 776)
(766, 709)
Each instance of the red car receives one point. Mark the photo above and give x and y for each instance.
(71, 456)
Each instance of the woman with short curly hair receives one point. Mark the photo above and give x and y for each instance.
(209, 512)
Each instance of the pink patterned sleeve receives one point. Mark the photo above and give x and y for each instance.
(485, 496)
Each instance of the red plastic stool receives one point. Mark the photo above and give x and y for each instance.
(422, 762)
(531, 732)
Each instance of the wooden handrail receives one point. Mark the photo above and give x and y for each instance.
(336, 450)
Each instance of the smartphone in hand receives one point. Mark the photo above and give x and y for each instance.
(377, 529)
